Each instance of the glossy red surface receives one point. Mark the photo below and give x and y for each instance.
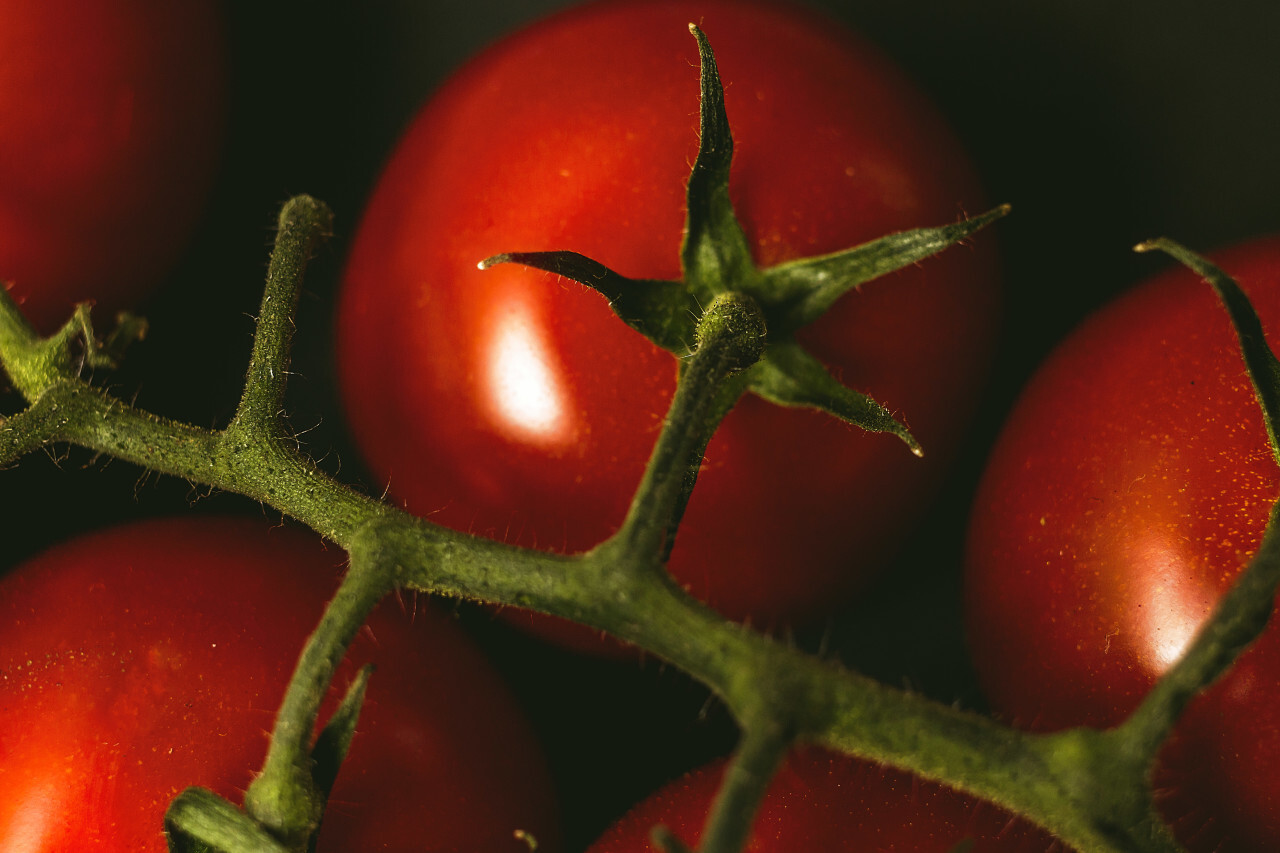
(512, 403)
(144, 659)
(1131, 483)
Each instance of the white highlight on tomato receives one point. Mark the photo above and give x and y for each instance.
(34, 819)
(1174, 606)
(523, 385)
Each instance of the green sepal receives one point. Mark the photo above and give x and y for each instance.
(331, 746)
(807, 287)
(663, 311)
(789, 376)
(715, 256)
(199, 821)
(1259, 359)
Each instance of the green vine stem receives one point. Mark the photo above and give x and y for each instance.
(729, 339)
(747, 779)
(768, 685)
(287, 797)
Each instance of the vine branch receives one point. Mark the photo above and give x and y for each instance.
(304, 223)
(1089, 787)
(730, 338)
(769, 686)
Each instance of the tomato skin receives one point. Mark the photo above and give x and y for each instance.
(821, 801)
(514, 404)
(140, 660)
(114, 111)
(1129, 486)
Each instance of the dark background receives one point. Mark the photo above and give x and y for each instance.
(1101, 122)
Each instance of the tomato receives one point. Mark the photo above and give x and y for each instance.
(143, 659)
(821, 801)
(514, 404)
(113, 114)
(1131, 483)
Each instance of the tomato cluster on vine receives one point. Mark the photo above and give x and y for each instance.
(1131, 484)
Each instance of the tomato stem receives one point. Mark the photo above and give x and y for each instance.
(730, 339)
(745, 783)
(303, 224)
(286, 797)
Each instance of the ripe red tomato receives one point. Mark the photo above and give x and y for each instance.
(113, 113)
(820, 801)
(1131, 483)
(514, 404)
(144, 659)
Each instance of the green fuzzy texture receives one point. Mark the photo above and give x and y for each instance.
(735, 321)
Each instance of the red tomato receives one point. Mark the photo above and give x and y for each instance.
(820, 801)
(113, 113)
(514, 404)
(1131, 483)
(141, 660)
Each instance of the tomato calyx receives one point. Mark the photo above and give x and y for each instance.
(716, 258)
